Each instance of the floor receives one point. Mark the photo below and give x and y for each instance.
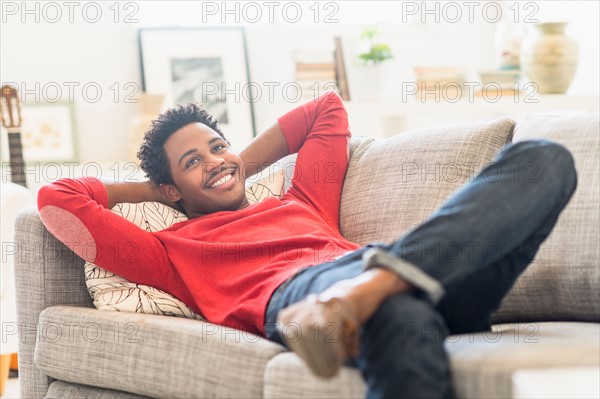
(11, 390)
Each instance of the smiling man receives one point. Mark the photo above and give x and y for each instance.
(283, 261)
(202, 174)
(229, 257)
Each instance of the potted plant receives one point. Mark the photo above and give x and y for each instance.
(371, 55)
(376, 52)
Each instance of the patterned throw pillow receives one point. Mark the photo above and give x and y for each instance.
(110, 291)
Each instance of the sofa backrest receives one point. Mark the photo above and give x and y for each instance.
(392, 185)
(563, 281)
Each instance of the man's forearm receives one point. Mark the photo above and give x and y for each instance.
(131, 192)
(266, 149)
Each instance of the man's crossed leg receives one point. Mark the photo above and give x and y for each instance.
(475, 246)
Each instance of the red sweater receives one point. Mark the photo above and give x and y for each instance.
(224, 265)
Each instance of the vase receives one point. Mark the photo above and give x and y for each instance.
(508, 40)
(549, 59)
(366, 87)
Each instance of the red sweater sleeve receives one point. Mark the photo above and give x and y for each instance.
(318, 132)
(76, 212)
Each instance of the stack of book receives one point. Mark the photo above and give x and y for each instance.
(439, 83)
(499, 83)
(315, 73)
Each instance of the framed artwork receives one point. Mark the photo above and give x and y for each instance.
(47, 133)
(208, 66)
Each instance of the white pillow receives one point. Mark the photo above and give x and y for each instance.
(110, 291)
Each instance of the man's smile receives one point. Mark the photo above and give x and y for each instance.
(225, 177)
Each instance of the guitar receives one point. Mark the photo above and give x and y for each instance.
(10, 107)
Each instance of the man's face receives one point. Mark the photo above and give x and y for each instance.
(206, 172)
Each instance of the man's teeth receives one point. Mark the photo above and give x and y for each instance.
(222, 180)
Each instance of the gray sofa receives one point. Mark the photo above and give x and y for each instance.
(68, 349)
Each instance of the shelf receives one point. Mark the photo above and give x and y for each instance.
(386, 118)
(523, 103)
(382, 119)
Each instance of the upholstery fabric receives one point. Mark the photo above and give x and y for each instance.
(286, 376)
(47, 273)
(483, 363)
(61, 389)
(563, 281)
(161, 357)
(422, 168)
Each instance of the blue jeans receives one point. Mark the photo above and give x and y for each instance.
(476, 245)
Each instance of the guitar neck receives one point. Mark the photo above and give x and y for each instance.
(17, 163)
(11, 119)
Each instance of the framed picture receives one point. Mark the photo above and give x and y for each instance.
(47, 133)
(208, 66)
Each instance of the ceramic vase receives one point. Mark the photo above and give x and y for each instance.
(367, 80)
(549, 58)
(508, 40)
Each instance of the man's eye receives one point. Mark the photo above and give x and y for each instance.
(218, 147)
(191, 162)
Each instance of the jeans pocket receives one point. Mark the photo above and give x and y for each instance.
(378, 244)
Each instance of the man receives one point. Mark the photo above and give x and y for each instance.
(280, 268)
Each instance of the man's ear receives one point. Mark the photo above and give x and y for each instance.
(170, 191)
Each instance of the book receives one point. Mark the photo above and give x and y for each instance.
(315, 72)
(493, 92)
(311, 75)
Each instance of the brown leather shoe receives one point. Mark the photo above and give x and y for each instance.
(322, 333)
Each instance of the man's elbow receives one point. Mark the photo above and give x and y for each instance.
(333, 98)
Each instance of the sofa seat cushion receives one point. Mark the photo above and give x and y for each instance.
(393, 185)
(286, 376)
(482, 363)
(563, 280)
(61, 389)
(151, 355)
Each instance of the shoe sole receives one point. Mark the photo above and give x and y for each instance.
(319, 356)
(322, 355)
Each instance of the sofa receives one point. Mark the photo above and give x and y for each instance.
(548, 321)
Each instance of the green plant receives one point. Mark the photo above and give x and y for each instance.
(378, 52)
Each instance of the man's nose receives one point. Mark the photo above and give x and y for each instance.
(214, 162)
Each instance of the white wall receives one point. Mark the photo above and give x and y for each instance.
(106, 53)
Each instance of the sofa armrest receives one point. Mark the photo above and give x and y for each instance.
(47, 273)
(13, 198)
(151, 355)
